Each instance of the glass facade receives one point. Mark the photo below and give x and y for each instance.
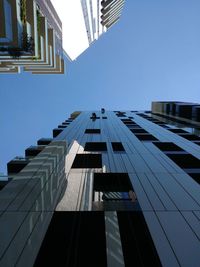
(99, 194)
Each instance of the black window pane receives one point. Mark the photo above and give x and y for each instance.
(126, 120)
(92, 131)
(190, 136)
(120, 115)
(140, 130)
(87, 161)
(129, 123)
(146, 137)
(195, 176)
(134, 126)
(74, 239)
(167, 146)
(177, 131)
(197, 143)
(112, 182)
(117, 146)
(95, 146)
(185, 161)
(137, 245)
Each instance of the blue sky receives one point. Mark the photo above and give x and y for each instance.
(153, 53)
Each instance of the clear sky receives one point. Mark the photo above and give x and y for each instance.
(70, 13)
(153, 53)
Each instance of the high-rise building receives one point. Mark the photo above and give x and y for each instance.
(111, 188)
(30, 37)
(33, 38)
(84, 21)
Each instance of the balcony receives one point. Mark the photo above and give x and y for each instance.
(44, 141)
(113, 191)
(62, 126)
(56, 132)
(16, 165)
(33, 151)
(184, 110)
(3, 181)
